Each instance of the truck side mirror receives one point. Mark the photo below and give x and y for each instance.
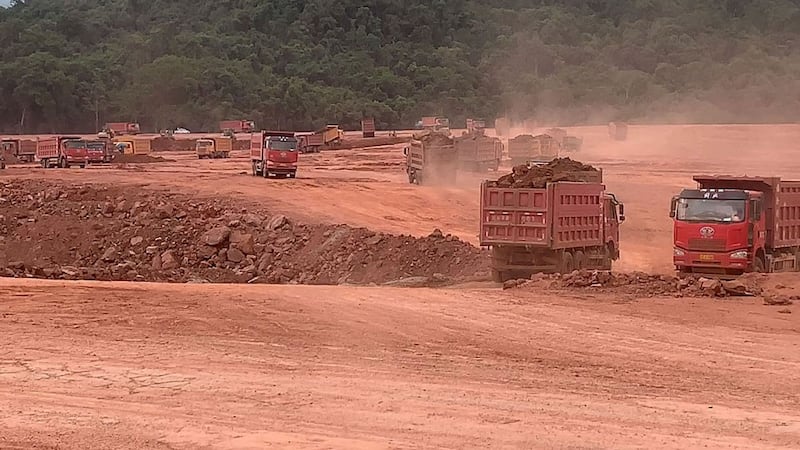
(405, 151)
(621, 212)
(673, 207)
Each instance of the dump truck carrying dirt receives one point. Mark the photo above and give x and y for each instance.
(478, 153)
(534, 149)
(431, 158)
(561, 169)
(24, 150)
(554, 218)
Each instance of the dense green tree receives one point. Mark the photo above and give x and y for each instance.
(302, 64)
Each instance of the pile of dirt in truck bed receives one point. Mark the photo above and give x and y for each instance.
(170, 144)
(111, 233)
(639, 284)
(561, 169)
(434, 138)
(137, 159)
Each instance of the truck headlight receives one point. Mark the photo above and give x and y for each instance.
(742, 254)
(678, 252)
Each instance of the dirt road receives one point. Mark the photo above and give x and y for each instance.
(189, 366)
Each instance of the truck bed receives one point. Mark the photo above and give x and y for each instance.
(477, 149)
(562, 215)
(781, 204)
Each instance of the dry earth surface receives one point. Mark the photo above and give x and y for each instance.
(140, 365)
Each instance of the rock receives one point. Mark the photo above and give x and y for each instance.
(235, 255)
(150, 250)
(252, 219)
(69, 271)
(206, 252)
(136, 240)
(374, 240)
(244, 242)
(169, 261)
(736, 288)
(181, 214)
(777, 301)
(710, 286)
(155, 263)
(437, 234)
(164, 211)
(107, 208)
(216, 237)
(784, 311)
(277, 222)
(110, 254)
(234, 223)
(16, 265)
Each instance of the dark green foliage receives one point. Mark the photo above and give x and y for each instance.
(301, 64)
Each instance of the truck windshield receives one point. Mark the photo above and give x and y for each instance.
(74, 144)
(96, 145)
(283, 145)
(706, 210)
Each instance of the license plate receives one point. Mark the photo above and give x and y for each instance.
(706, 257)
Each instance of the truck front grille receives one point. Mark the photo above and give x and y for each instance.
(707, 245)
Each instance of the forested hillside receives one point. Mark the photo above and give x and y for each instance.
(299, 64)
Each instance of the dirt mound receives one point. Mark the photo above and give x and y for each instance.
(108, 233)
(640, 284)
(560, 169)
(138, 159)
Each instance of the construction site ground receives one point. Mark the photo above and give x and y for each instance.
(151, 365)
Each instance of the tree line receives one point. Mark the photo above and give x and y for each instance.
(67, 66)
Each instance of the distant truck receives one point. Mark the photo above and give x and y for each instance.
(133, 146)
(98, 151)
(24, 150)
(431, 158)
(274, 153)
(562, 227)
(62, 151)
(731, 225)
(237, 126)
(368, 127)
(572, 144)
(437, 124)
(213, 148)
(121, 128)
(478, 153)
(310, 142)
(331, 135)
(476, 127)
(532, 149)
(618, 131)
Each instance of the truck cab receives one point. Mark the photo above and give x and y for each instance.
(718, 231)
(97, 151)
(204, 148)
(274, 153)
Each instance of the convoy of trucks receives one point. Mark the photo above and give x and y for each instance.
(213, 148)
(561, 227)
(274, 153)
(730, 225)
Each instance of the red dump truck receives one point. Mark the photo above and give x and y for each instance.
(478, 153)
(274, 153)
(431, 159)
(310, 142)
(237, 126)
(368, 127)
(22, 149)
(562, 227)
(731, 225)
(98, 151)
(62, 151)
(122, 128)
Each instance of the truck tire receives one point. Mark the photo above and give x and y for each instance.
(63, 163)
(567, 263)
(264, 170)
(758, 265)
(579, 260)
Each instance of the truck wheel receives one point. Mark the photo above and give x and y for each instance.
(264, 171)
(758, 265)
(293, 175)
(579, 260)
(82, 166)
(567, 263)
(44, 164)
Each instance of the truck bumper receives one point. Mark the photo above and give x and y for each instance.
(281, 168)
(711, 263)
